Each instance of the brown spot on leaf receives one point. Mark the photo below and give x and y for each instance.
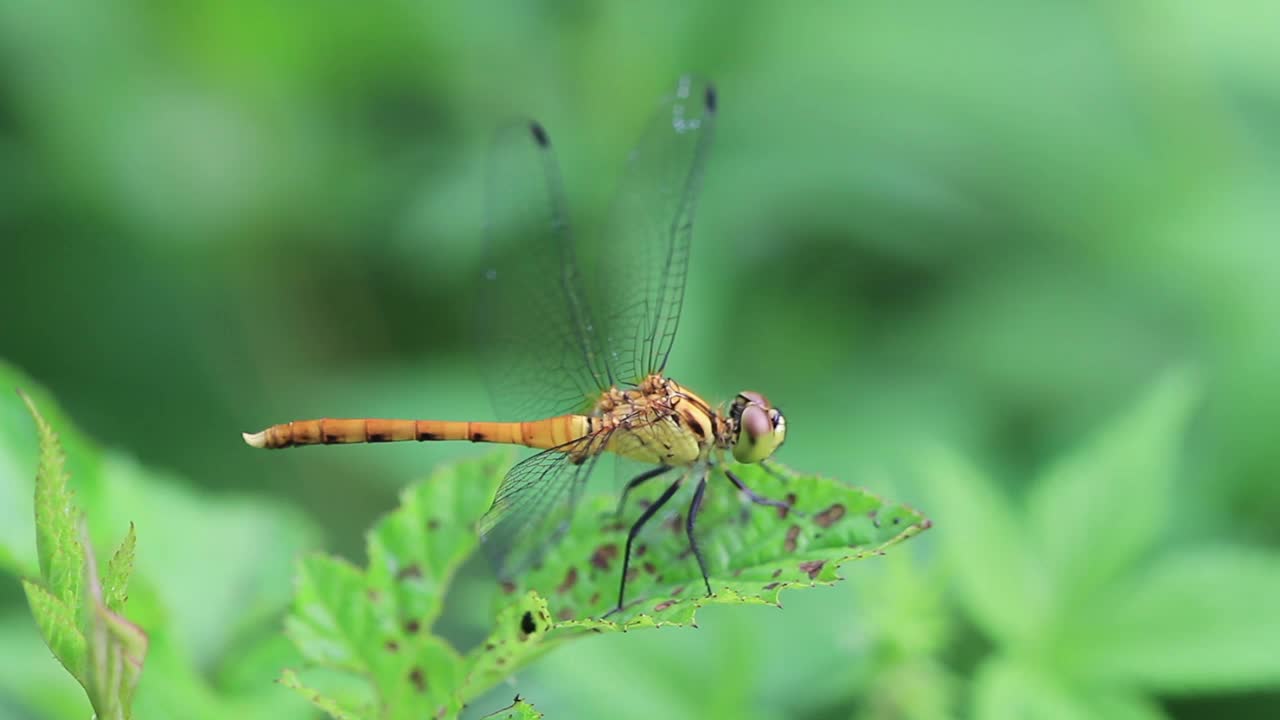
(813, 567)
(409, 571)
(570, 579)
(604, 555)
(374, 595)
(793, 533)
(595, 598)
(412, 627)
(392, 646)
(771, 585)
(432, 524)
(678, 590)
(565, 614)
(641, 549)
(649, 567)
(776, 573)
(673, 523)
(508, 587)
(527, 626)
(791, 502)
(663, 605)
(418, 679)
(828, 517)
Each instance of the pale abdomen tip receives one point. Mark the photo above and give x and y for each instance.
(258, 439)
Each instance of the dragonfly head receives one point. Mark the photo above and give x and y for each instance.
(758, 427)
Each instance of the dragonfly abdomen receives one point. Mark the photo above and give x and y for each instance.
(541, 434)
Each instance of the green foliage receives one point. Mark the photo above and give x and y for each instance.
(80, 623)
(377, 624)
(213, 563)
(1080, 629)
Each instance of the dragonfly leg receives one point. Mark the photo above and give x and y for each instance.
(636, 482)
(635, 530)
(769, 468)
(752, 496)
(694, 506)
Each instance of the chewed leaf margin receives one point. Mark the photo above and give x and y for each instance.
(755, 553)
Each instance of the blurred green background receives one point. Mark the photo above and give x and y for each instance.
(984, 227)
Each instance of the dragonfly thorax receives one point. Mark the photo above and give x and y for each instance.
(661, 422)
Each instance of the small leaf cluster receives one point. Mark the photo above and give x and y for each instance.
(80, 612)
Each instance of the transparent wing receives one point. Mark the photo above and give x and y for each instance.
(643, 267)
(541, 354)
(534, 505)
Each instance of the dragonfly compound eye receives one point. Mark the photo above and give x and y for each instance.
(761, 429)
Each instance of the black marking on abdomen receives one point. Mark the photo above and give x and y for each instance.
(427, 436)
(478, 437)
(377, 437)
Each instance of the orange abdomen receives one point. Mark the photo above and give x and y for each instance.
(542, 434)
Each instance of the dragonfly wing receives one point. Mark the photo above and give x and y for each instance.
(641, 274)
(541, 352)
(534, 505)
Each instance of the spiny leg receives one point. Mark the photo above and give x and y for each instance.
(636, 482)
(751, 494)
(635, 530)
(688, 529)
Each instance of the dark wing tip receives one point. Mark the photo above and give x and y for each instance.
(539, 134)
(710, 98)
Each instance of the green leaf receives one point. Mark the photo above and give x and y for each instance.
(57, 542)
(1201, 621)
(58, 627)
(1006, 689)
(333, 616)
(985, 549)
(97, 646)
(330, 706)
(377, 624)
(1099, 508)
(518, 710)
(242, 543)
(340, 621)
(116, 583)
(116, 647)
(753, 553)
(415, 550)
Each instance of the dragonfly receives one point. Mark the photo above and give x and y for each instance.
(576, 362)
